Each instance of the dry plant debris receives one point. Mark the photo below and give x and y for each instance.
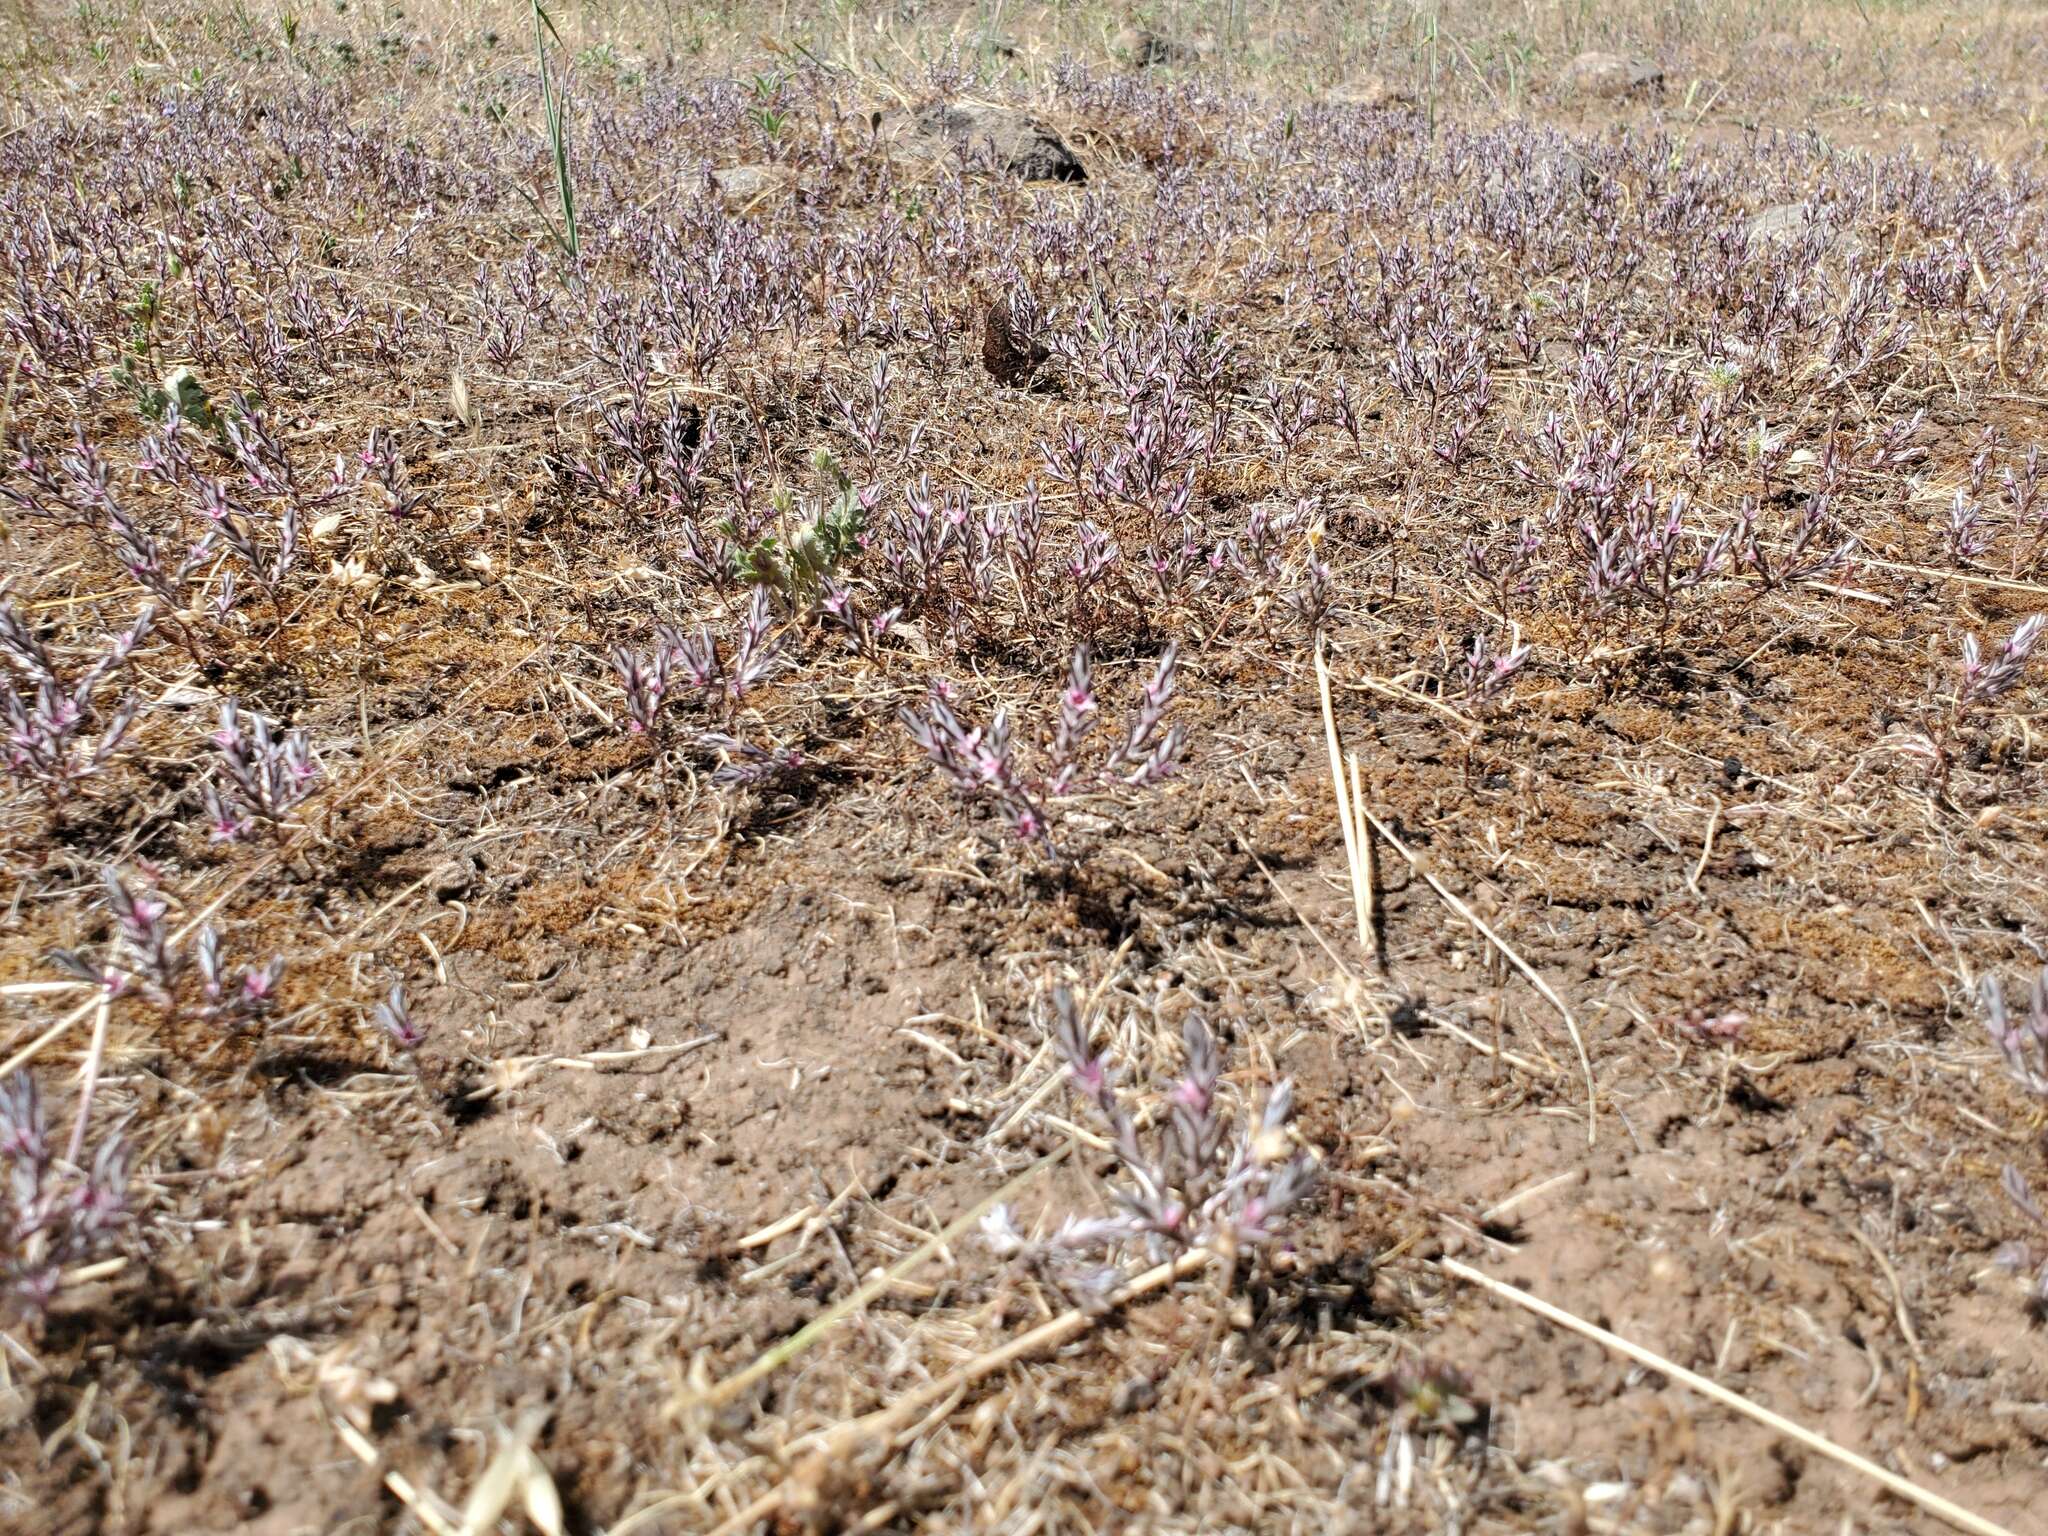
(1042, 770)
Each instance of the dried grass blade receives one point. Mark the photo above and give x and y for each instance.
(1345, 818)
(1962, 1519)
(1534, 976)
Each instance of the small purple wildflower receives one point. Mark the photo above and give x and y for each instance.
(394, 1017)
(53, 1216)
(2022, 1042)
(1186, 1191)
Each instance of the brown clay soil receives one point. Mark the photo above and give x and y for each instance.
(701, 1062)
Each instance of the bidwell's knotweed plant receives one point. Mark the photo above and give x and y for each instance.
(1484, 682)
(2023, 1042)
(1194, 1183)
(393, 1016)
(146, 957)
(1978, 683)
(983, 762)
(2026, 1257)
(56, 1212)
(263, 776)
(718, 675)
(746, 765)
(59, 736)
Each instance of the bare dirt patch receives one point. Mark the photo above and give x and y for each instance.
(601, 585)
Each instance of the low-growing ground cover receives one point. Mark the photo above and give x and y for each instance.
(672, 852)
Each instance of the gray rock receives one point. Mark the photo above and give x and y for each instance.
(743, 186)
(1783, 225)
(1610, 76)
(1779, 225)
(1781, 45)
(1016, 141)
(1372, 92)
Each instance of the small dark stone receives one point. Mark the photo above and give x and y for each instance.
(454, 880)
(1142, 49)
(1010, 356)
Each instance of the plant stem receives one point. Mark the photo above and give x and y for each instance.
(558, 132)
